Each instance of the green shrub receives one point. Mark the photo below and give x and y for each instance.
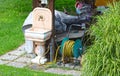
(103, 57)
(69, 5)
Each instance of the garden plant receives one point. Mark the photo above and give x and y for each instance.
(102, 58)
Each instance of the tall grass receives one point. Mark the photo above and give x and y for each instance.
(103, 57)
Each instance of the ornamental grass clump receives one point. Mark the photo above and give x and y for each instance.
(103, 57)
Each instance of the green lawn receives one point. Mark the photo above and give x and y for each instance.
(12, 16)
(11, 71)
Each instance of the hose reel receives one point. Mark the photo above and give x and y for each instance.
(70, 48)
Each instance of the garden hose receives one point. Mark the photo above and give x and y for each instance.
(70, 48)
(67, 50)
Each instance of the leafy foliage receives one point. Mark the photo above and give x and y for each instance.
(103, 57)
(69, 5)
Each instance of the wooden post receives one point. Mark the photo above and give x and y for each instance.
(52, 43)
(51, 5)
(35, 3)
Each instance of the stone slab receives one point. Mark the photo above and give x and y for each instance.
(30, 55)
(37, 67)
(3, 62)
(23, 60)
(17, 64)
(22, 47)
(8, 57)
(17, 52)
(64, 72)
(69, 66)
